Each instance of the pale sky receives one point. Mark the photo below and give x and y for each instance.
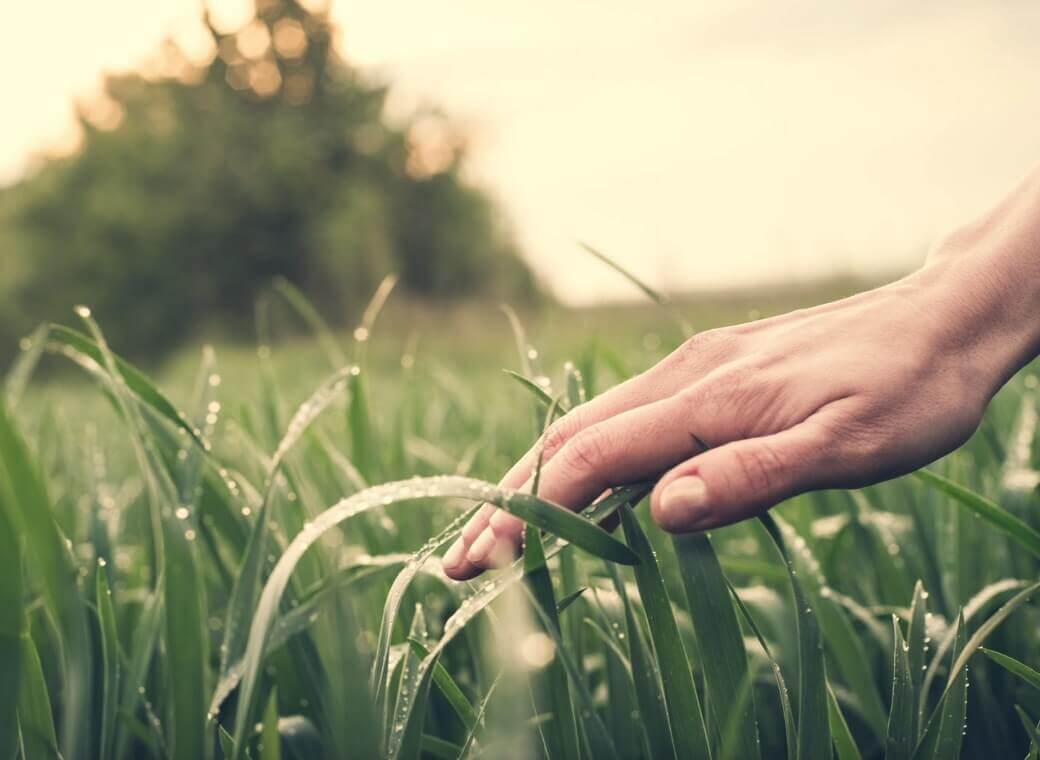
(701, 144)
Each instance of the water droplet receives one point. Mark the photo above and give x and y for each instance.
(83, 312)
(182, 513)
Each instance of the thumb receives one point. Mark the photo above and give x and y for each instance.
(739, 479)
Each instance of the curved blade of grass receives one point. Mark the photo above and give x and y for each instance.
(646, 677)
(814, 738)
(555, 519)
(448, 687)
(405, 736)
(33, 518)
(685, 716)
(944, 733)
(784, 696)
(305, 309)
(570, 599)
(371, 313)
(600, 742)
(1030, 728)
(974, 606)
(248, 581)
(900, 741)
(917, 646)
(110, 662)
(146, 636)
(23, 366)
(440, 748)
(551, 691)
(1014, 667)
(730, 736)
(535, 389)
(844, 743)
(34, 706)
(471, 735)
(1015, 529)
(654, 295)
(135, 380)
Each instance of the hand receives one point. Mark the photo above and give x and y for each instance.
(741, 418)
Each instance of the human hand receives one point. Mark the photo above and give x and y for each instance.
(740, 418)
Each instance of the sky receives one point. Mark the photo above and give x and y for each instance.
(702, 144)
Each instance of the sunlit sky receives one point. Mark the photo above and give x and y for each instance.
(702, 144)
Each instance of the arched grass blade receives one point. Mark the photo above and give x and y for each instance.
(1015, 529)
(534, 388)
(34, 706)
(689, 733)
(1015, 667)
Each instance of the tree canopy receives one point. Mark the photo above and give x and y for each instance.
(198, 183)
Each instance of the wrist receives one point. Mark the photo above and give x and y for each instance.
(982, 286)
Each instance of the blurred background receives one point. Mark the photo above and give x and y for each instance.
(165, 161)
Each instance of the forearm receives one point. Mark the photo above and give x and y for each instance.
(984, 285)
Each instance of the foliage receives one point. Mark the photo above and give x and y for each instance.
(198, 183)
(235, 548)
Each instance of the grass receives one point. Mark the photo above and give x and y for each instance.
(244, 564)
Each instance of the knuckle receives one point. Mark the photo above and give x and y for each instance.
(760, 466)
(587, 451)
(560, 432)
(710, 344)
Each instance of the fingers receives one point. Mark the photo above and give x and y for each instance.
(630, 394)
(636, 444)
(743, 478)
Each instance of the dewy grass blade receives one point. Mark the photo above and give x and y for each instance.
(111, 658)
(448, 687)
(33, 518)
(685, 716)
(814, 738)
(1030, 727)
(270, 739)
(900, 741)
(646, 677)
(719, 639)
(23, 366)
(530, 508)
(135, 380)
(250, 574)
(551, 691)
(783, 695)
(1015, 529)
(1015, 667)
(916, 641)
(944, 733)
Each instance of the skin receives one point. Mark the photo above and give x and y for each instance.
(845, 394)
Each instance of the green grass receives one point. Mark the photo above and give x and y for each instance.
(241, 561)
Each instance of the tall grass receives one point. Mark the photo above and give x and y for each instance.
(240, 576)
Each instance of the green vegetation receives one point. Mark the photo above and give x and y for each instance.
(200, 182)
(257, 576)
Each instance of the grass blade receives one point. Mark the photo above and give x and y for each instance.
(12, 625)
(814, 738)
(844, 743)
(551, 692)
(685, 716)
(110, 662)
(1015, 529)
(1015, 667)
(900, 741)
(718, 632)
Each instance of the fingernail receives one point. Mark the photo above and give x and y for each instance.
(453, 557)
(481, 548)
(683, 501)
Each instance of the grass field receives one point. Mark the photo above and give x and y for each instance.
(205, 567)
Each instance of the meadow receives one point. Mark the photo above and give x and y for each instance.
(240, 559)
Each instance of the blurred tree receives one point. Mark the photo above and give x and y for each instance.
(197, 183)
